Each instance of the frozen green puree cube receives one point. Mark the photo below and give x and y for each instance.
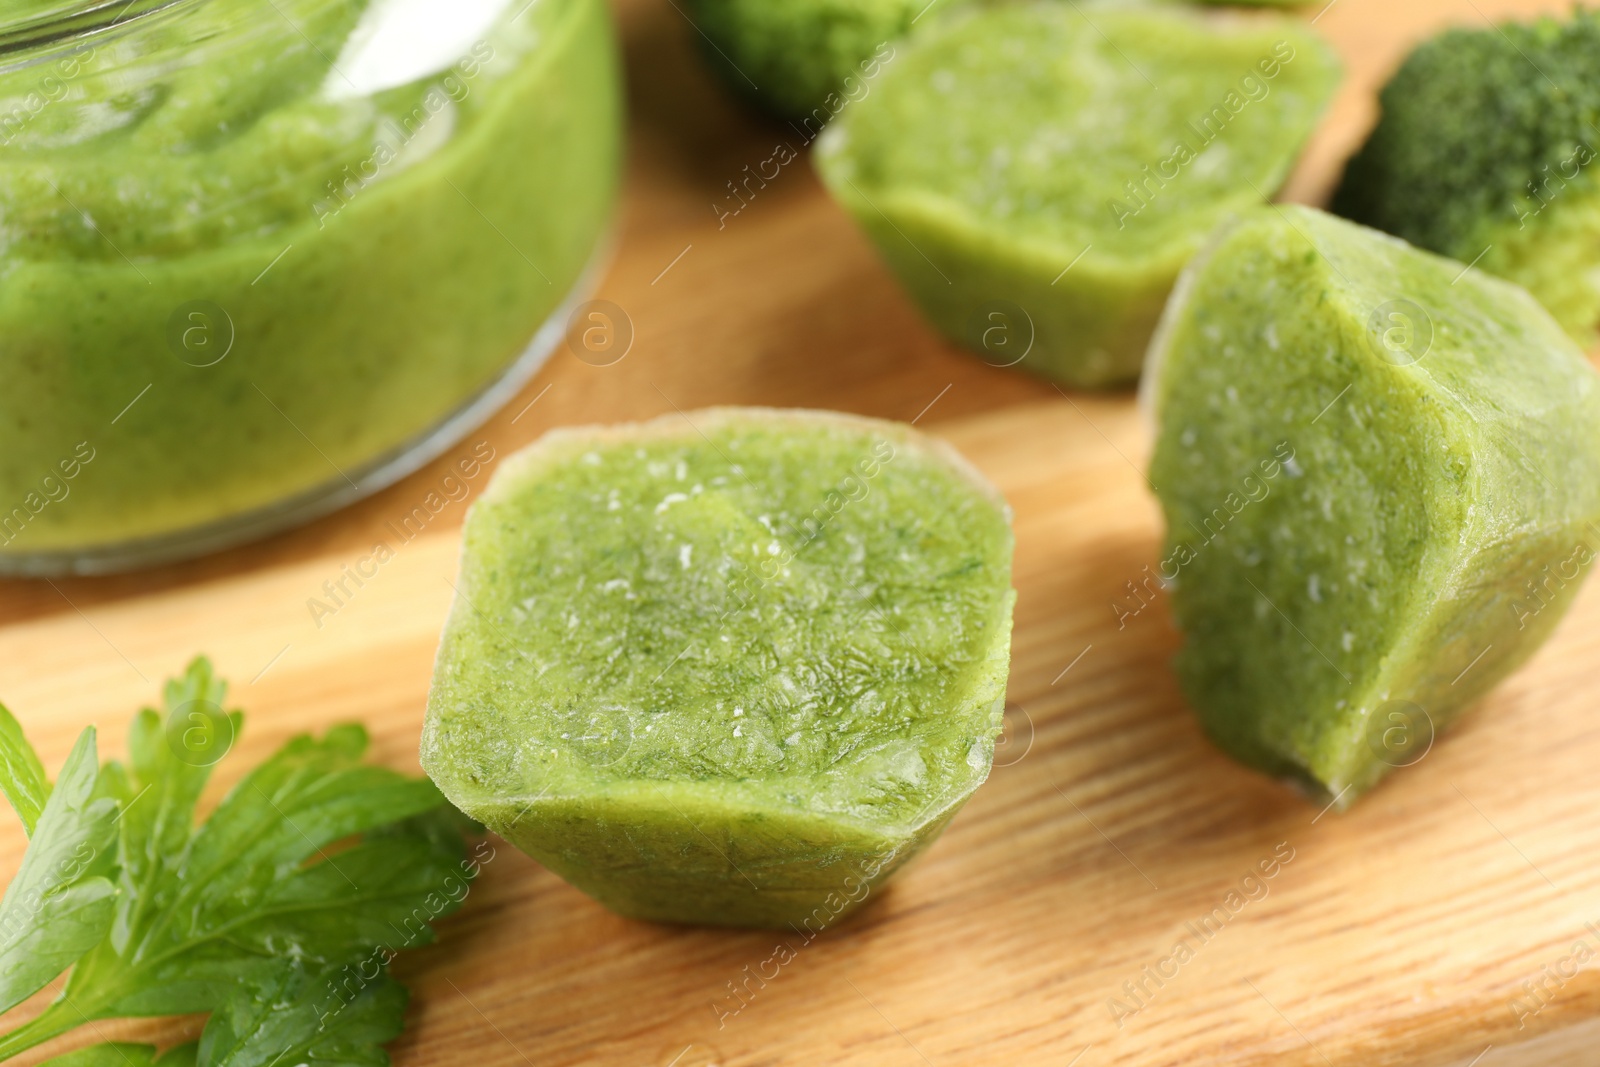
(732, 667)
(802, 59)
(1037, 175)
(807, 59)
(1380, 472)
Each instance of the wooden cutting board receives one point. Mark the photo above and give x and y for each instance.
(1409, 931)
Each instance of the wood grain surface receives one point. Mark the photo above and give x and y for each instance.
(1404, 932)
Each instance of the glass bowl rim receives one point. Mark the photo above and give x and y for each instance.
(72, 20)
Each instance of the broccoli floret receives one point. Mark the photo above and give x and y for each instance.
(1485, 150)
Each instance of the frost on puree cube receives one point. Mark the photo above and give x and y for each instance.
(1380, 472)
(732, 667)
(807, 60)
(803, 59)
(1037, 175)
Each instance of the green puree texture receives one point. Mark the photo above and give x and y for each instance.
(423, 231)
(1056, 165)
(801, 59)
(805, 60)
(730, 668)
(1381, 474)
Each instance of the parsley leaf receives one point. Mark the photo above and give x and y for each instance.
(288, 1017)
(278, 915)
(125, 1054)
(54, 911)
(283, 1015)
(21, 774)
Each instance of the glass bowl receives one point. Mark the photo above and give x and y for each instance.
(257, 261)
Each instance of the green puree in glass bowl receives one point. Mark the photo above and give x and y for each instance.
(1038, 174)
(730, 668)
(248, 253)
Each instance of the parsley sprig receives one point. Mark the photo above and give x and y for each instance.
(278, 915)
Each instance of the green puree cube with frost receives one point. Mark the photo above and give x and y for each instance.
(801, 59)
(1038, 174)
(1380, 473)
(806, 60)
(1487, 152)
(733, 667)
